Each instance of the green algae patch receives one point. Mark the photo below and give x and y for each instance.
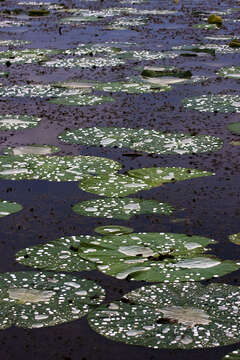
(223, 103)
(173, 316)
(156, 257)
(113, 230)
(9, 207)
(122, 209)
(18, 122)
(60, 255)
(54, 168)
(40, 299)
(150, 141)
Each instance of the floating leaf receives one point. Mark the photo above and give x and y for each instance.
(154, 72)
(234, 355)
(84, 62)
(113, 185)
(215, 19)
(130, 87)
(210, 48)
(234, 127)
(38, 12)
(222, 103)
(150, 141)
(156, 257)
(60, 255)
(54, 168)
(235, 238)
(31, 149)
(16, 122)
(81, 100)
(231, 72)
(205, 26)
(157, 176)
(185, 316)
(122, 209)
(14, 42)
(34, 300)
(113, 230)
(26, 56)
(9, 207)
(149, 55)
(125, 23)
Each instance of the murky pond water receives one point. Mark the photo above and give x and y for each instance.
(130, 36)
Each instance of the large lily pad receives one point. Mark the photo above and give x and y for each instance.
(223, 103)
(54, 168)
(118, 185)
(150, 141)
(17, 122)
(122, 209)
(60, 255)
(134, 87)
(149, 55)
(31, 149)
(26, 56)
(157, 176)
(34, 300)
(13, 42)
(9, 207)
(81, 100)
(156, 257)
(87, 62)
(125, 23)
(184, 316)
(231, 72)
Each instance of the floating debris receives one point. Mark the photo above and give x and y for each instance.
(223, 103)
(35, 300)
(9, 207)
(176, 316)
(122, 209)
(54, 168)
(165, 257)
(17, 122)
(150, 141)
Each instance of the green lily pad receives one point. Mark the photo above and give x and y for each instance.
(205, 26)
(209, 48)
(87, 62)
(148, 55)
(14, 42)
(35, 299)
(9, 207)
(122, 209)
(231, 72)
(234, 127)
(235, 143)
(156, 257)
(130, 87)
(125, 23)
(16, 122)
(157, 176)
(150, 141)
(223, 103)
(235, 238)
(81, 100)
(234, 355)
(42, 91)
(38, 12)
(108, 48)
(60, 255)
(31, 149)
(176, 316)
(113, 230)
(26, 56)
(54, 168)
(198, 49)
(154, 72)
(113, 185)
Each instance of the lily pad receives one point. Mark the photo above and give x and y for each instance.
(38, 12)
(157, 176)
(234, 127)
(14, 42)
(156, 257)
(31, 149)
(81, 100)
(9, 207)
(35, 300)
(122, 209)
(125, 23)
(60, 255)
(231, 72)
(150, 141)
(154, 72)
(131, 87)
(87, 62)
(205, 26)
(26, 56)
(176, 316)
(223, 103)
(234, 355)
(113, 230)
(149, 55)
(54, 168)
(235, 238)
(16, 122)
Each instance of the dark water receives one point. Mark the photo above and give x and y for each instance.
(209, 206)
